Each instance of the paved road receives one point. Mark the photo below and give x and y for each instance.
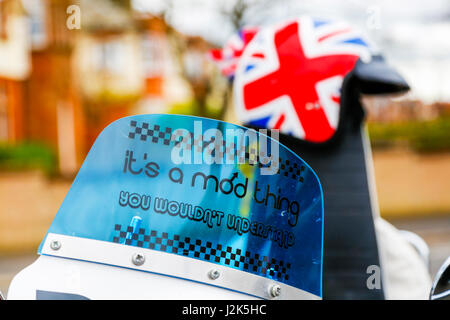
(435, 231)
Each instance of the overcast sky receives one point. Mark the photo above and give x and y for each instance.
(414, 35)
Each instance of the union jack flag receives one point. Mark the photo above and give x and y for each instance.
(290, 76)
(228, 57)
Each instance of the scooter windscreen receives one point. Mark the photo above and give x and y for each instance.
(184, 202)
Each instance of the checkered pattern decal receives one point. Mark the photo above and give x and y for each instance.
(168, 136)
(154, 134)
(203, 250)
(292, 170)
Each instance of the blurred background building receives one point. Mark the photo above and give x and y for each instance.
(68, 68)
(60, 87)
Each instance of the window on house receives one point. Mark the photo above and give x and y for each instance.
(37, 14)
(153, 55)
(109, 56)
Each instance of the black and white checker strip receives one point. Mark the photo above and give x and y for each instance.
(154, 134)
(204, 250)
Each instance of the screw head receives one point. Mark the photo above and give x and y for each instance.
(55, 245)
(214, 274)
(138, 259)
(275, 290)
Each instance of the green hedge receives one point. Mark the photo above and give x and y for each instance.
(27, 156)
(192, 108)
(421, 136)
